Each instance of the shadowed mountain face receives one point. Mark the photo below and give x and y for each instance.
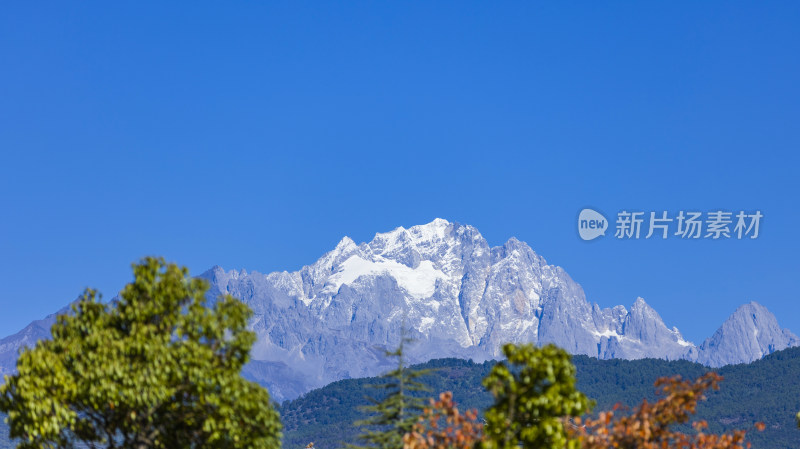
(461, 298)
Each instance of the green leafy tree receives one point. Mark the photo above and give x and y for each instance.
(533, 399)
(398, 411)
(157, 368)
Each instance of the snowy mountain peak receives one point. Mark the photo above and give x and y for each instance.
(641, 307)
(513, 244)
(345, 244)
(460, 297)
(435, 230)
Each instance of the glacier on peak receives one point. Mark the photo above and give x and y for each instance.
(419, 281)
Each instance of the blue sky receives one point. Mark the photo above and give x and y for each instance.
(257, 135)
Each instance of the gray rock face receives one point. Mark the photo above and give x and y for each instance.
(460, 298)
(750, 333)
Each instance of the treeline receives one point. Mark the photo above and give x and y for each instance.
(767, 391)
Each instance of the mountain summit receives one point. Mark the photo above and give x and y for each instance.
(750, 333)
(459, 297)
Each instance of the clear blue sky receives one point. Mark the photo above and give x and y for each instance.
(256, 134)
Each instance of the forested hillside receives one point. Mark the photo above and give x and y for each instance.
(767, 390)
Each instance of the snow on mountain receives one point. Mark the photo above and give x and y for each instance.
(459, 297)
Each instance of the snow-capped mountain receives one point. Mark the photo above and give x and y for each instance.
(459, 297)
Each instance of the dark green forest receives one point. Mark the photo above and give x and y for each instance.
(767, 390)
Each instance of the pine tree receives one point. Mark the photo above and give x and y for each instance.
(395, 415)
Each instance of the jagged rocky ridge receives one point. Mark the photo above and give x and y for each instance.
(459, 297)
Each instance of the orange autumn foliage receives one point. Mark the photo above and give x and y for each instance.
(650, 424)
(442, 426)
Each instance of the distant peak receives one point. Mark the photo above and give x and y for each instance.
(429, 231)
(640, 306)
(212, 272)
(751, 315)
(752, 307)
(514, 242)
(437, 223)
(749, 333)
(346, 242)
(389, 235)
